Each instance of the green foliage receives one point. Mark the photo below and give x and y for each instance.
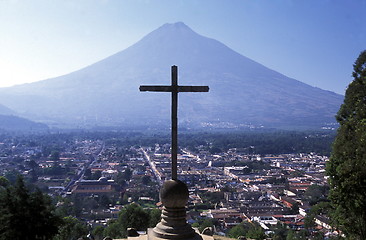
(309, 222)
(104, 201)
(26, 215)
(96, 175)
(12, 176)
(258, 142)
(301, 235)
(256, 233)
(132, 216)
(249, 230)
(208, 222)
(195, 225)
(214, 150)
(98, 232)
(114, 230)
(71, 228)
(212, 197)
(228, 188)
(320, 208)
(55, 156)
(124, 176)
(154, 216)
(4, 182)
(295, 208)
(55, 170)
(145, 180)
(237, 231)
(87, 173)
(69, 206)
(291, 235)
(254, 142)
(120, 180)
(318, 236)
(280, 232)
(316, 193)
(201, 206)
(346, 168)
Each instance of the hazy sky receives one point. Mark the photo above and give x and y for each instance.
(314, 41)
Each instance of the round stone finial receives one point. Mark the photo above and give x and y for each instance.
(174, 194)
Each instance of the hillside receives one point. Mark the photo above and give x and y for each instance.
(13, 123)
(242, 92)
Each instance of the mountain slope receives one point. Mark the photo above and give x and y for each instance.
(6, 111)
(13, 123)
(241, 90)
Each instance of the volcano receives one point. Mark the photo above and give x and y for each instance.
(242, 91)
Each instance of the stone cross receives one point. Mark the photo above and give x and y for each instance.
(174, 88)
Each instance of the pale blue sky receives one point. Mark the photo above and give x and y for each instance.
(313, 41)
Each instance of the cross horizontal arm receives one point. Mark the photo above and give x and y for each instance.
(193, 88)
(144, 88)
(155, 88)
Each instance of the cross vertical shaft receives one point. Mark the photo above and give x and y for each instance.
(174, 112)
(174, 88)
(174, 193)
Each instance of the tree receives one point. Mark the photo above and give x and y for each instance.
(26, 215)
(280, 232)
(134, 216)
(155, 217)
(71, 228)
(346, 168)
(12, 176)
(291, 235)
(316, 193)
(237, 231)
(127, 174)
(208, 222)
(96, 175)
(249, 230)
(4, 182)
(256, 233)
(146, 180)
(104, 201)
(321, 208)
(301, 235)
(120, 179)
(114, 230)
(55, 156)
(98, 232)
(33, 165)
(88, 173)
(309, 222)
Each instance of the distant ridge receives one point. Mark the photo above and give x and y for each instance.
(242, 91)
(13, 123)
(6, 111)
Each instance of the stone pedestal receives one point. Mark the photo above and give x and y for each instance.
(173, 225)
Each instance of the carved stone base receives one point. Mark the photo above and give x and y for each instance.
(151, 236)
(173, 225)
